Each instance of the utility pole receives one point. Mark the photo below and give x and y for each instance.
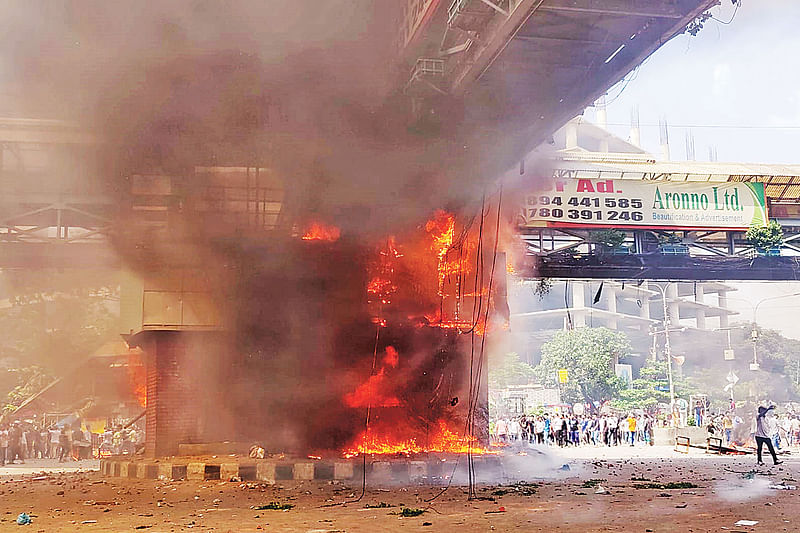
(668, 351)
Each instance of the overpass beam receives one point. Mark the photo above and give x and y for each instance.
(620, 8)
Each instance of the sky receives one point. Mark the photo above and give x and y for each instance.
(737, 84)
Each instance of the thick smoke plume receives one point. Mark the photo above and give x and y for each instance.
(310, 91)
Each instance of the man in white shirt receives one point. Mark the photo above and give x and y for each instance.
(502, 430)
(763, 434)
(795, 425)
(54, 434)
(513, 430)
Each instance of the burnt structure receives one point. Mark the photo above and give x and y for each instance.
(307, 356)
(238, 140)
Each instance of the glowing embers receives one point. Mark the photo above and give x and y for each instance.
(321, 232)
(381, 286)
(375, 391)
(391, 441)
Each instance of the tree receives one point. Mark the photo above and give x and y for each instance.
(509, 370)
(52, 320)
(588, 355)
(768, 236)
(30, 380)
(652, 388)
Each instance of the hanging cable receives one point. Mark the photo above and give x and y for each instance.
(481, 357)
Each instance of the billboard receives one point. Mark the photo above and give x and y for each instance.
(639, 204)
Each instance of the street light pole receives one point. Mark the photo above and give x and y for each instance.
(754, 366)
(668, 351)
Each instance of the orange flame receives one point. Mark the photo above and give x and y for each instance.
(321, 232)
(443, 440)
(442, 228)
(371, 392)
(137, 377)
(381, 288)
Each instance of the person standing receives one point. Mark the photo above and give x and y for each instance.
(513, 430)
(727, 428)
(14, 443)
(63, 445)
(622, 430)
(539, 429)
(763, 434)
(54, 433)
(3, 445)
(547, 428)
(502, 430)
(632, 428)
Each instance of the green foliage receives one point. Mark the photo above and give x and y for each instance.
(52, 330)
(644, 391)
(56, 318)
(520, 488)
(408, 512)
(612, 238)
(669, 238)
(30, 380)
(508, 370)
(588, 354)
(768, 236)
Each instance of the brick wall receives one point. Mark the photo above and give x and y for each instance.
(172, 416)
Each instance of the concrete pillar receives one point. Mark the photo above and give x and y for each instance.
(673, 307)
(644, 309)
(572, 133)
(723, 302)
(701, 313)
(578, 304)
(611, 304)
(602, 121)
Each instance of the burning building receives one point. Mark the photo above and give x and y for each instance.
(304, 270)
(318, 339)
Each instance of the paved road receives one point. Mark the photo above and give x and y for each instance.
(33, 466)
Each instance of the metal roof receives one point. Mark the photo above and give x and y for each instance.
(781, 182)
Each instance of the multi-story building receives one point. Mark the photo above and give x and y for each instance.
(634, 306)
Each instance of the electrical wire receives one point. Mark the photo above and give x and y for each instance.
(476, 390)
(733, 16)
(366, 419)
(476, 305)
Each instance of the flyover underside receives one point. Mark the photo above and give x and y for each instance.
(561, 57)
(700, 255)
(659, 267)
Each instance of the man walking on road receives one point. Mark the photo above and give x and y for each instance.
(763, 435)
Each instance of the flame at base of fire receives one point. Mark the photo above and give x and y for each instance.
(441, 440)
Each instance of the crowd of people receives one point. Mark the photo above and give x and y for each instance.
(21, 440)
(570, 430)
